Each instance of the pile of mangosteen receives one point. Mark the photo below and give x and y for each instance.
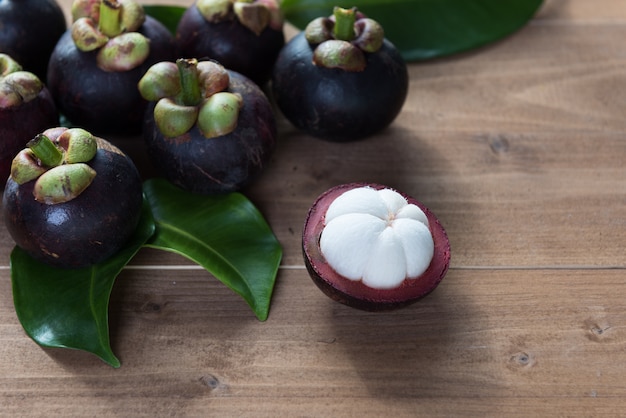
(198, 96)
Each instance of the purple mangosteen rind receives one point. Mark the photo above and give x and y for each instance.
(104, 102)
(354, 293)
(31, 49)
(338, 105)
(85, 230)
(230, 43)
(222, 164)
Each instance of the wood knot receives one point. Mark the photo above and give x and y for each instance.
(498, 144)
(598, 333)
(598, 329)
(522, 359)
(211, 382)
(153, 307)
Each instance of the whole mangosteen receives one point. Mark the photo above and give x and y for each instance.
(73, 199)
(95, 66)
(29, 30)
(340, 79)
(26, 109)
(243, 35)
(373, 248)
(208, 130)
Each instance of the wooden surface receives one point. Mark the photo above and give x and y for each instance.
(520, 150)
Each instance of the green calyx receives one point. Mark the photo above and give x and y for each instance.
(16, 86)
(255, 15)
(191, 93)
(218, 114)
(56, 159)
(63, 183)
(110, 26)
(124, 52)
(8, 65)
(350, 36)
(174, 119)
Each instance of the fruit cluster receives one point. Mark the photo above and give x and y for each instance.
(197, 96)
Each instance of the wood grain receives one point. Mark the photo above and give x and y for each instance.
(519, 148)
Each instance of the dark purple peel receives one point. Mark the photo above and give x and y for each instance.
(30, 30)
(230, 43)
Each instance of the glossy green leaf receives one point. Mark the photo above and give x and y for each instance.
(225, 234)
(423, 29)
(169, 16)
(69, 308)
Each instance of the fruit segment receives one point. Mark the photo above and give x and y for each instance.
(376, 236)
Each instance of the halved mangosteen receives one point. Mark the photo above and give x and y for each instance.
(72, 199)
(373, 248)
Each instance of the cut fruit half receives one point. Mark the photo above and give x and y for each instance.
(373, 248)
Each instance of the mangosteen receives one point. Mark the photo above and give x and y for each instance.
(29, 31)
(26, 108)
(243, 35)
(373, 248)
(95, 66)
(207, 130)
(340, 79)
(73, 199)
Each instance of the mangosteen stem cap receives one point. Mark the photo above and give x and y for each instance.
(45, 150)
(57, 160)
(342, 40)
(190, 93)
(110, 23)
(344, 23)
(200, 97)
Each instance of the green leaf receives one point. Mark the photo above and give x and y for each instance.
(69, 308)
(225, 234)
(423, 29)
(168, 15)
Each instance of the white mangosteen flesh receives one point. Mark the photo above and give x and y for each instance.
(376, 236)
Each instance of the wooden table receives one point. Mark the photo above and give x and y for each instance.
(520, 150)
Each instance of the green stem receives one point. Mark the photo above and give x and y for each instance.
(110, 18)
(45, 150)
(190, 93)
(344, 23)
